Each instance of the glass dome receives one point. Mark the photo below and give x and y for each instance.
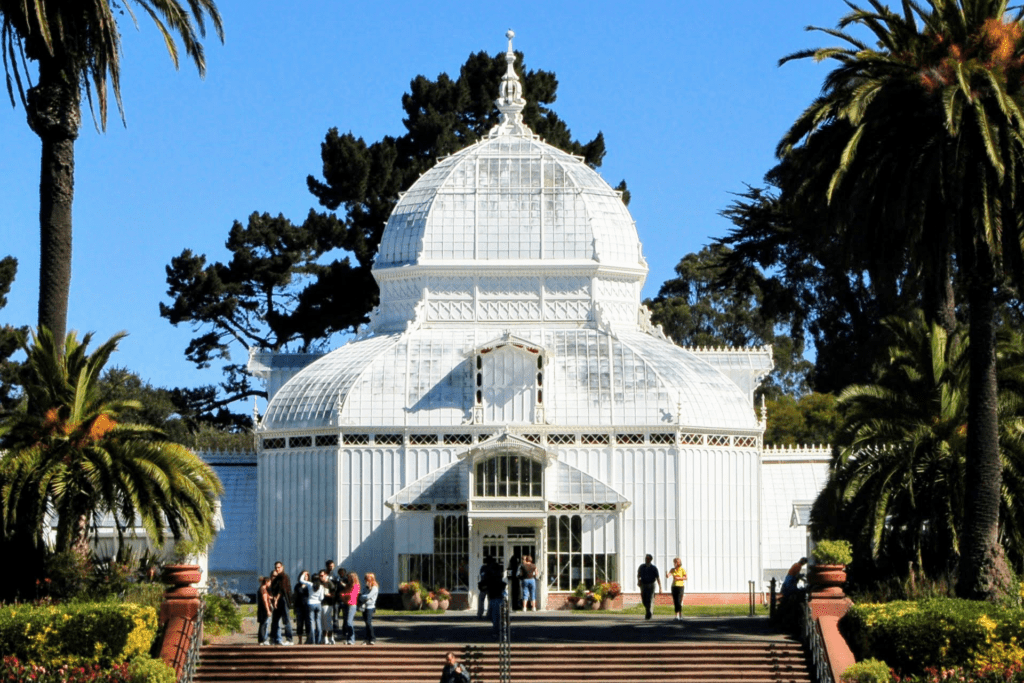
(511, 198)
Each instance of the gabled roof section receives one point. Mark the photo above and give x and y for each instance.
(566, 485)
(445, 485)
(509, 339)
(575, 487)
(504, 443)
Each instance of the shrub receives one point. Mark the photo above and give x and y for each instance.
(221, 615)
(77, 635)
(943, 633)
(145, 669)
(868, 671)
(833, 552)
(148, 594)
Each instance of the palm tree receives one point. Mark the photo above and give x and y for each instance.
(951, 74)
(77, 46)
(896, 484)
(69, 456)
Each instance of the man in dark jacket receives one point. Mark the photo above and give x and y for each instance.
(494, 586)
(281, 594)
(453, 671)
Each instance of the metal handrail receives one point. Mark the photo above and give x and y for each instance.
(505, 642)
(812, 638)
(194, 643)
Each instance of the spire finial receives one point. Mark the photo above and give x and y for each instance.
(510, 97)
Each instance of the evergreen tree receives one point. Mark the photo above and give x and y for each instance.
(11, 340)
(701, 308)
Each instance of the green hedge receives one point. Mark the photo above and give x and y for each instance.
(77, 634)
(941, 632)
(867, 671)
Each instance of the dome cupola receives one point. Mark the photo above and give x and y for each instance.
(510, 229)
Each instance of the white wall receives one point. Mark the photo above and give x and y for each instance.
(298, 509)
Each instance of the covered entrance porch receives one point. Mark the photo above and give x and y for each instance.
(506, 498)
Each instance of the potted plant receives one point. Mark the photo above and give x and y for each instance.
(581, 595)
(444, 598)
(828, 573)
(412, 598)
(609, 591)
(431, 601)
(592, 599)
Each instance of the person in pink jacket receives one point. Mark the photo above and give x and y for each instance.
(349, 598)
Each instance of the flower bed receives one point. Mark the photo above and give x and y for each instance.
(942, 633)
(140, 670)
(77, 635)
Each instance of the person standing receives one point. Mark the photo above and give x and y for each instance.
(453, 671)
(646, 576)
(281, 593)
(264, 609)
(314, 609)
(332, 607)
(350, 597)
(481, 604)
(528, 571)
(368, 601)
(300, 598)
(515, 596)
(494, 585)
(330, 602)
(678, 576)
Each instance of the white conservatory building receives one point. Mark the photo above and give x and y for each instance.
(510, 396)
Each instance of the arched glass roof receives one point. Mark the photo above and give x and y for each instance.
(510, 198)
(425, 378)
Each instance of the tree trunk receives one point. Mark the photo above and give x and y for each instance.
(983, 571)
(54, 113)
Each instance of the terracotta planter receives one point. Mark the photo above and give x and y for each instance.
(179, 579)
(443, 604)
(593, 604)
(412, 601)
(432, 604)
(606, 603)
(826, 580)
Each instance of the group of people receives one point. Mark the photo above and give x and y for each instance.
(320, 601)
(647, 575)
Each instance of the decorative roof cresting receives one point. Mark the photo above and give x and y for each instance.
(510, 100)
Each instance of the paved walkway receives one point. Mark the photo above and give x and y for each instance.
(552, 628)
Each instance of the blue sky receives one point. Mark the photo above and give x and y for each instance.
(688, 96)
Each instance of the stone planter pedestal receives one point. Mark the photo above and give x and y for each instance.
(179, 612)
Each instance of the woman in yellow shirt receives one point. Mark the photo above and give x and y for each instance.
(678, 576)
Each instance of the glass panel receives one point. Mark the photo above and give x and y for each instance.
(448, 566)
(568, 563)
(509, 476)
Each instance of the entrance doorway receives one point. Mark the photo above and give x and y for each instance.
(508, 541)
(517, 541)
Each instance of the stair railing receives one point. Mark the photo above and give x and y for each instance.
(822, 670)
(505, 643)
(195, 642)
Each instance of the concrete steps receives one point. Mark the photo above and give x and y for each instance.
(703, 662)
